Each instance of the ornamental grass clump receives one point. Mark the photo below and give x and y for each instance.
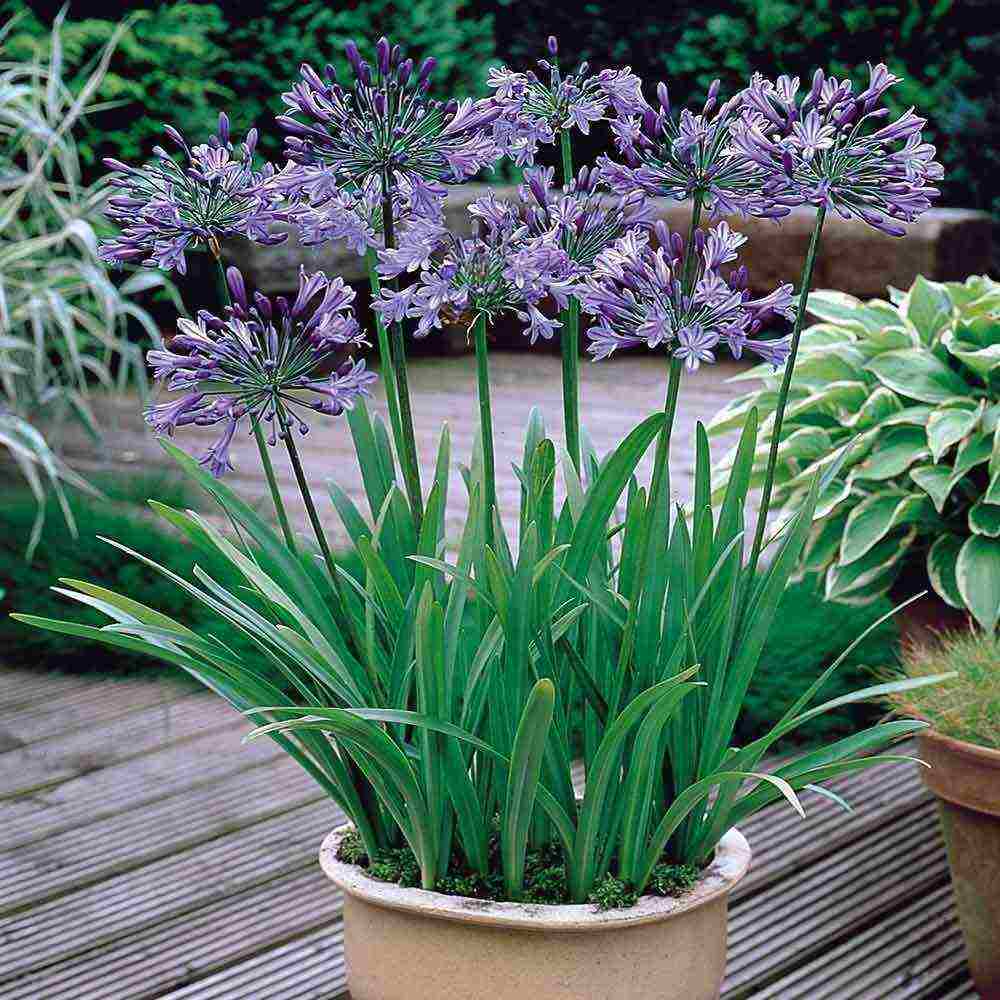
(434, 686)
(966, 706)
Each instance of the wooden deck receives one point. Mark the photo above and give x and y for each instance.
(146, 854)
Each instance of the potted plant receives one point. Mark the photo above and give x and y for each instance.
(908, 393)
(434, 692)
(962, 747)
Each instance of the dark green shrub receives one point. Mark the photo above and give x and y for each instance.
(813, 633)
(945, 50)
(26, 585)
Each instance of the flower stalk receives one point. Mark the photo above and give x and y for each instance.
(659, 487)
(384, 350)
(570, 341)
(406, 442)
(485, 419)
(786, 383)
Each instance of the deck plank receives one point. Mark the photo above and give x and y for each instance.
(183, 867)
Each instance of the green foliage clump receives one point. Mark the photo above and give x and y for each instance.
(59, 555)
(812, 636)
(352, 850)
(182, 63)
(396, 864)
(673, 880)
(613, 894)
(908, 391)
(967, 706)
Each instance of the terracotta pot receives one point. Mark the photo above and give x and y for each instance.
(409, 944)
(966, 780)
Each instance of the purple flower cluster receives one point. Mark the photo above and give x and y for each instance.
(504, 268)
(323, 212)
(384, 125)
(585, 216)
(167, 208)
(537, 108)
(830, 147)
(679, 156)
(641, 295)
(266, 360)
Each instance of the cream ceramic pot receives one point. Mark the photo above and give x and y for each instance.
(410, 944)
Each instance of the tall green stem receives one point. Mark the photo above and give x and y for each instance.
(485, 419)
(317, 526)
(570, 342)
(258, 435)
(385, 355)
(786, 382)
(407, 444)
(659, 487)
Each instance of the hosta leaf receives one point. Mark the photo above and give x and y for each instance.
(849, 395)
(993, 491)
(845, 310)
(928, 307)
(941, 560)
(805, 444)
(893, 453)
(874, 518)
(978, 574)
(984, 519)
(947, 426)
(973, 452)
(876, 409)
(821, 367)
(982, 360)
(824, 541)
(936, 481)
(916, 416)
(872, 574)
(918, 375)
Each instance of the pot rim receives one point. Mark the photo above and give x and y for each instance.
(732, 859)
(985, 755)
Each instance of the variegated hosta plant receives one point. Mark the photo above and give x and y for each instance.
(908, 392)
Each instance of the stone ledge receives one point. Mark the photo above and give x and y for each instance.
(945, 244)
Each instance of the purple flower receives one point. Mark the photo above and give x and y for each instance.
(537, 107)
(383, 125)
(641, 295)
(323, 212)
(506, 267)
(679, 156)
(167, 208)
(828, 147)
(264, 360)
(585, 217)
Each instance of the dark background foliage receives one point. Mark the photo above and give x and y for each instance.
(183, 61)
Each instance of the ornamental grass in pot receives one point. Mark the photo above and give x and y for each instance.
(962, 747)
(433, 691)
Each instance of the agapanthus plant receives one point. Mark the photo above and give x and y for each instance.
(433, 700)
(385, 125)
(689, 155)
(641, 295)
(384, 128)
(167, 208)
